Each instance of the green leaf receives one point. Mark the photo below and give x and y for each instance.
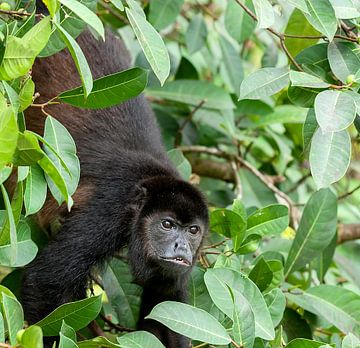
(8, 232)
(28, 151)
(21, 253)
(58, 137)
(261, 274)
(190, 321)
(54, 177)
(276, 302)
(323, 262)
(139, 339)
(20, 53)
(86, 15)
(14, 316)
(329, 156)
(299, 25)
(193, 92)
(196, 34)
(282, 114)
(264, 82)
(12, 96)
(339, 306)
(71, 23)
(181, 163)
(237, 22)
(67, 336)
(5, 173)
(243, 330)
(35, 191)
(264, 13)
(135, 6)
(218, 280)
(76, 314)
(123, 294)
(350, 341)
(2, 328)
(152, 45)
(97, 342)
(108, 90)
(250, 244)
(118, 4)
(163, 13)
(26, 94)
(79, 60)
(66, 342)
(32, 337)
(316, 229)
(268, 221)
(343, 61)
(322, 17)
(229, 224)
(303, 79)
(232, 64)
(304, 343)
(299, 4)
(345, 9)
(335, 110)
(8, 135)
(309, 128)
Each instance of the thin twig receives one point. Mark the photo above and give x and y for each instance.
(298, 183)
(263, 178)
(281, 36)
(348, 31)
(214, 245)
(347, 194)
(114, 12)
(187, 120)
(117, 327)
(318, 37)
(287, 52)
(235, 344)
(20, 14)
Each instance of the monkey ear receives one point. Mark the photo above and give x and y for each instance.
(140, 196)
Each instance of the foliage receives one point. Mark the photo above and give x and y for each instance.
(257, 99)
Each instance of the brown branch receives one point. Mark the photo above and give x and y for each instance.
(348, 31)
(117, 327)
(281, 36)
(20, 14)
(318, 37)
(283, 197)
(95, 328)
(348, 232)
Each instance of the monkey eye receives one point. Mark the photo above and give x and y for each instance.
(194, 229)
(167, 224)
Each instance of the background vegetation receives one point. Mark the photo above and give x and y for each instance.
(257, 101)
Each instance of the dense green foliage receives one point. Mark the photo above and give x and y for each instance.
(258, 104)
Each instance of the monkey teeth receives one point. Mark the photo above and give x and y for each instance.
(179, 260)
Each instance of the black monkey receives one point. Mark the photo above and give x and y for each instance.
(129, 195)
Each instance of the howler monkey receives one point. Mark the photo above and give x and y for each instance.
(129, 195)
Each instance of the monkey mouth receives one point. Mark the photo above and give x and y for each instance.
(179, 260)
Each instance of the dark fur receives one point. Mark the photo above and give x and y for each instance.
(124, 163)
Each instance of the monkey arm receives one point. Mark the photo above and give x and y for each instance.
(60, 272)
(170, 290)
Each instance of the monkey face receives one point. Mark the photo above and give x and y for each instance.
(173, 244)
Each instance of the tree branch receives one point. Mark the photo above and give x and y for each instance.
(282, 197)
(348, 232)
